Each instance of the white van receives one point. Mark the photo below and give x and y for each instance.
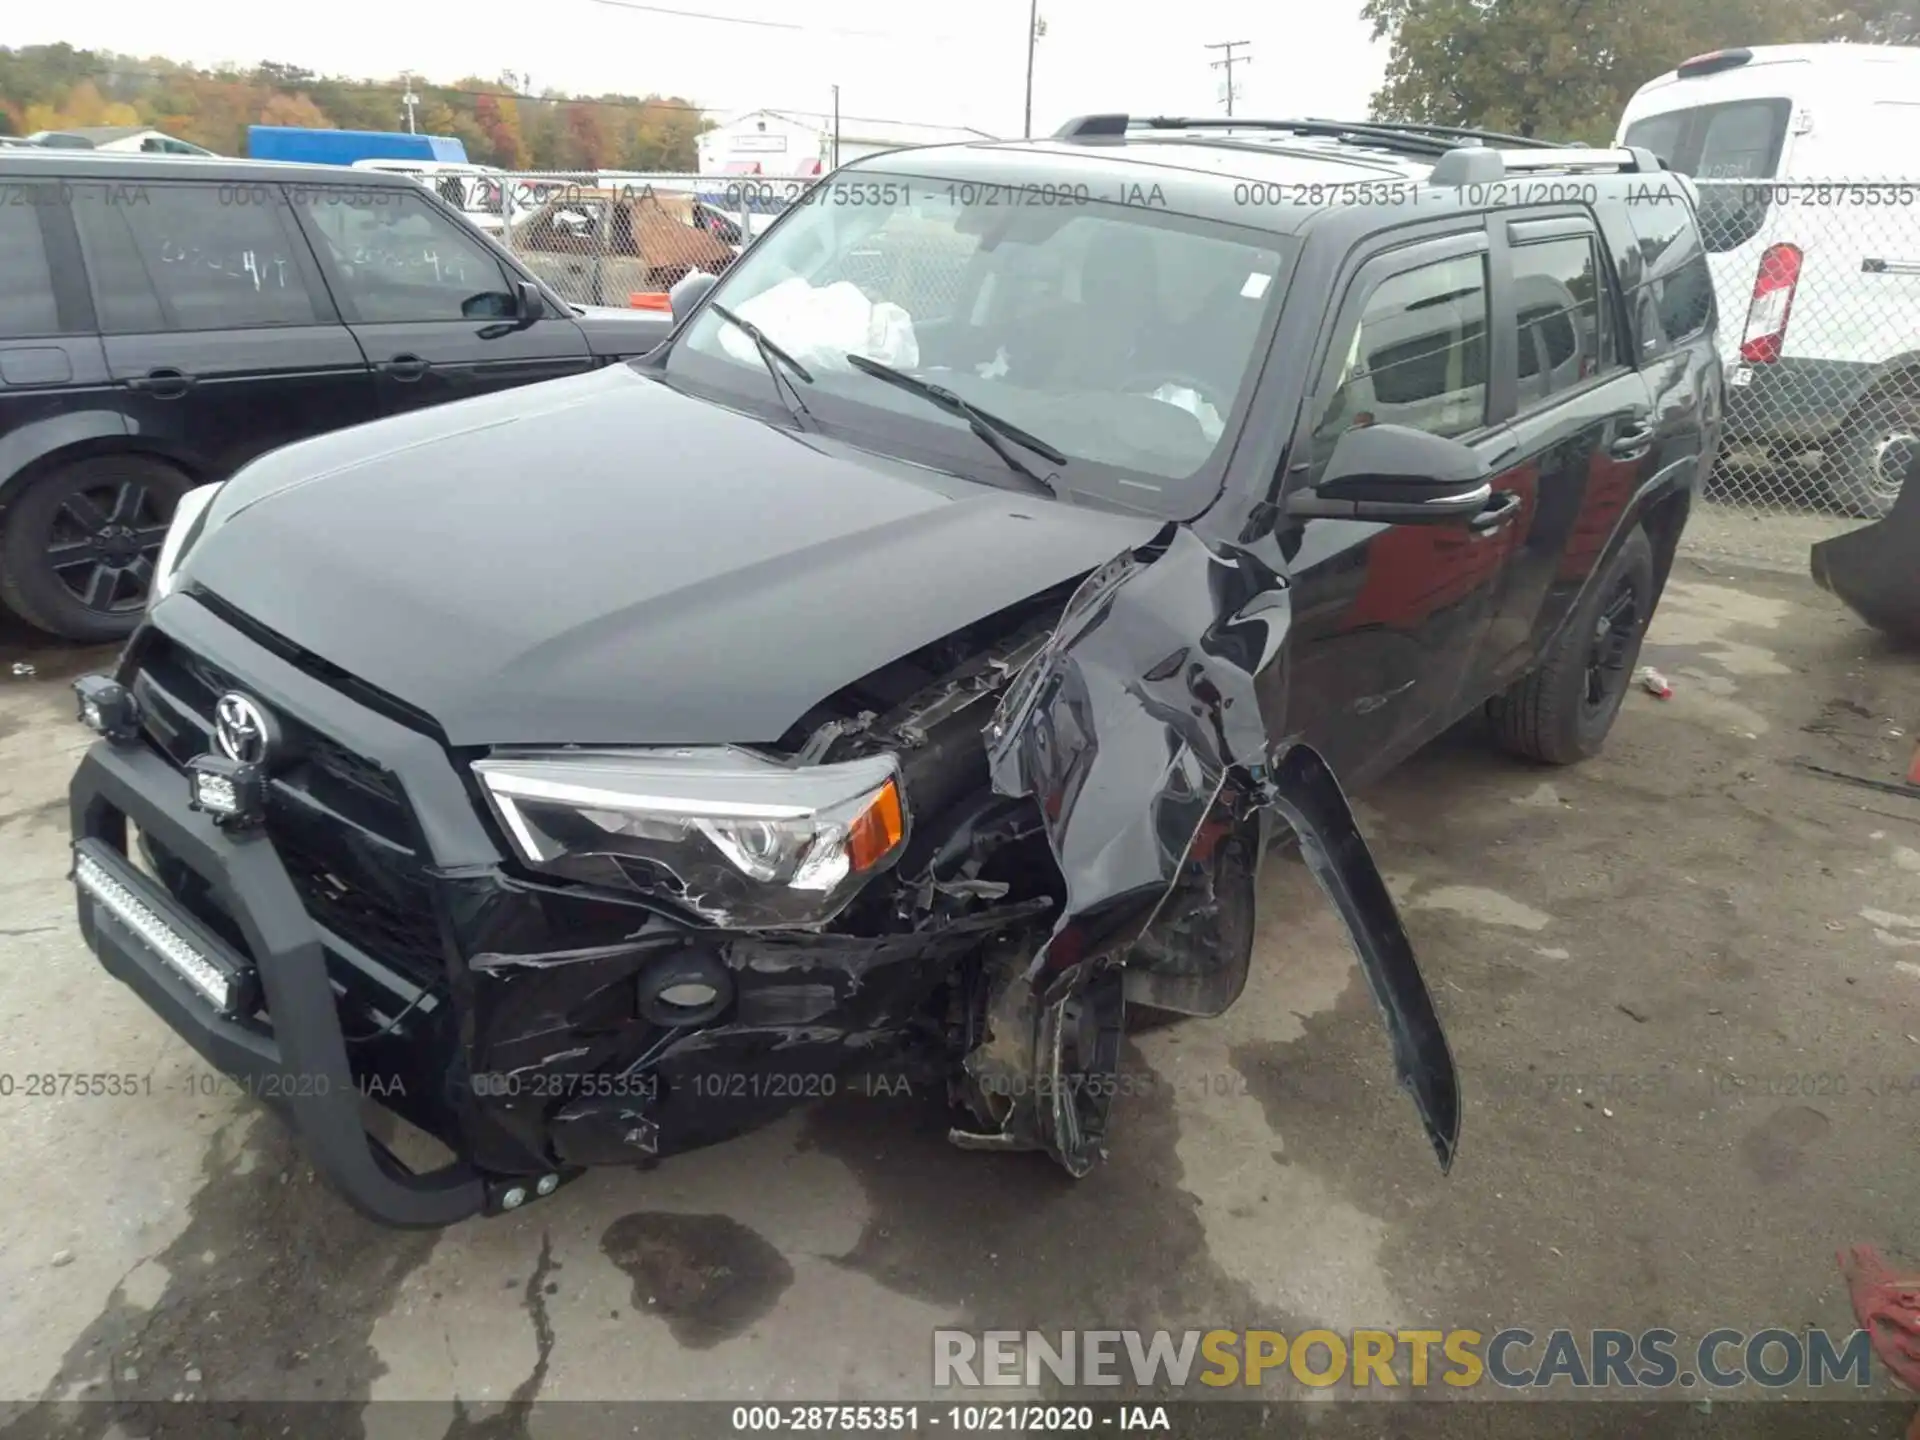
(1818, 285)
(476, 190)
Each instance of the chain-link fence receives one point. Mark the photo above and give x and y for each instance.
(1818, 287)
(613, 238)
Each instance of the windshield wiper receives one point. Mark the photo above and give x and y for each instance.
(773, 357)
(988, 426)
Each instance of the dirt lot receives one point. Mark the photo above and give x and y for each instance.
(1681, 982)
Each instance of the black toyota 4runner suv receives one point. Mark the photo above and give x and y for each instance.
(911, 662)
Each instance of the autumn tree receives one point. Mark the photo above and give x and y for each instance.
(496, 118)
(1559, 69)
(281, 108)
(583, 144)
(57, 87)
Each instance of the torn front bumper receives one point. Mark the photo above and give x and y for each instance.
(331, 957)
(547, 1065)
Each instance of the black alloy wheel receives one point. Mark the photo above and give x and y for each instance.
(81, 544)
(1612, 647)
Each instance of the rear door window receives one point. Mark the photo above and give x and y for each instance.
(1563, 316)
(1660, 133)
(1722, 145)
(167, 257)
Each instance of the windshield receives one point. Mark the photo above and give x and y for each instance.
(1118, 333)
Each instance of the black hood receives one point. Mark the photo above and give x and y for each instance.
(601, 560)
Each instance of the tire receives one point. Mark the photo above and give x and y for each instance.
(1868, 464)
(1561, 710)
(80, 543)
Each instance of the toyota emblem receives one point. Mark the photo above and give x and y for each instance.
(242, 730)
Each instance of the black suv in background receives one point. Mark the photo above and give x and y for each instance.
(164, 321)
(908, 664)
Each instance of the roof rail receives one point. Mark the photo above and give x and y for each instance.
(1476, 164)
(1467, 132)
(1117, 126)
(1464, 156)
(1092, 127)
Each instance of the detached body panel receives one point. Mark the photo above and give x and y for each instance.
(1876, 569)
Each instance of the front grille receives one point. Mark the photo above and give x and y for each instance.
(339, 820)
(393, 922)
(178, 690)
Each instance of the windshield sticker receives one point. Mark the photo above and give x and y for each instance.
(1256, 285)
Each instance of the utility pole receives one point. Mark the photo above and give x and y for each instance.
(1036, 27)
(409, 100)
(1229, 61)
(836, 129)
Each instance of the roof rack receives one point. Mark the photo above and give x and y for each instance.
(1116, 127)
(1468, 132)
(1473, 163)
(1464, 156)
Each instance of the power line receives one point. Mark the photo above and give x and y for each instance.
(749, 20)
(760, 24)
(1228, 63)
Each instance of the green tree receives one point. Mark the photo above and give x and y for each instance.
(1559, 69)
(1879, 22)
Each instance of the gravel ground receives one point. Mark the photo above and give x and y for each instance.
(1681, 982)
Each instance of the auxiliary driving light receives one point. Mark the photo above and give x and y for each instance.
(107, 707)
(235, 795)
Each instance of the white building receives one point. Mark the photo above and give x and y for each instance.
(774, 142)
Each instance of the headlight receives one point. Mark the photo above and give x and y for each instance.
(739, 840)
(189, 518)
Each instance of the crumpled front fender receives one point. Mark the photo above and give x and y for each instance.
(1149, 712)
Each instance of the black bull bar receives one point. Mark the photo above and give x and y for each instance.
(299, 1066)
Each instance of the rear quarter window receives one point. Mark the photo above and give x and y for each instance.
(26, 282)
(1674, 302)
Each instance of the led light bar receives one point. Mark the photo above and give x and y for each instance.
(131, 911)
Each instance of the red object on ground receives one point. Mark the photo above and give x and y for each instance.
(1888, 1308)
(1913, 770)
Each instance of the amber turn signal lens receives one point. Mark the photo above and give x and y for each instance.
(650, 300)
(871, 838)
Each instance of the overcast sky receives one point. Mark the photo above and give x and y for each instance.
(958, 64)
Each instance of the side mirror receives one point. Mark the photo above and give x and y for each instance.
(529, 303)
(687, 292)
(1397, 475)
